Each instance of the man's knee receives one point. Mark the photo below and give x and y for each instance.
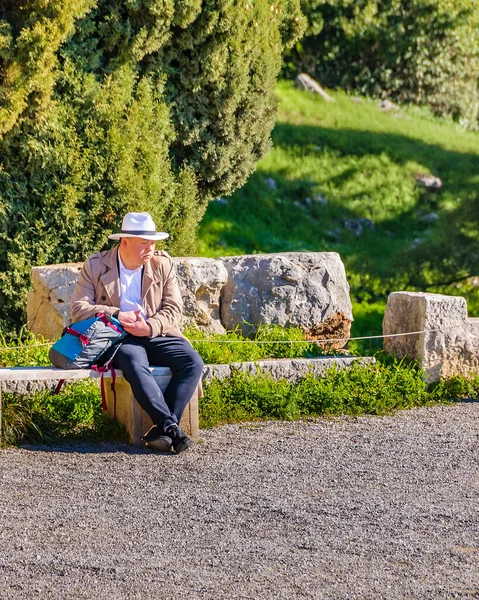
(129, 354)
(193, 362)
(198, 363)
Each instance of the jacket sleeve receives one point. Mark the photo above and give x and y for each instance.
(169, 314)
(83, 299)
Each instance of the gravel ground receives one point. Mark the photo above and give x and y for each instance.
(342, 508)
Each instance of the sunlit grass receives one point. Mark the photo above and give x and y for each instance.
(333, 163)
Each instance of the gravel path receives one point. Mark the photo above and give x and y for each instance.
(338, 509)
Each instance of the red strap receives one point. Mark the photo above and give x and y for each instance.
(83, 338)
(104, 369)
(114, 327)
(105, 321)
(59, 386)
(102, 318)
(103, 394)
(113, 389)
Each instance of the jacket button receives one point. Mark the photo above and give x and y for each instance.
(103, 298)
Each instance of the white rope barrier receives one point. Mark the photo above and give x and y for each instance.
(324, 341)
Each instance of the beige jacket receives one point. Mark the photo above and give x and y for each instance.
(98, 291)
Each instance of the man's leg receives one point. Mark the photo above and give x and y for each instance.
(132, 359)
(186, 367)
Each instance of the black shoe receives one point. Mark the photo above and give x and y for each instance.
(180, 441)
(157, 439)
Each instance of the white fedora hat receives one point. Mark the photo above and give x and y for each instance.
(139, 225)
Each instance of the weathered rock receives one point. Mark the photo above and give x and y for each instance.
(387, 105)
(271, 183)
(48, 305)
(430, 182)
(429, 218)
(294, 289)
(306, 82)
(450, 342)
(292, 369)
(200, 281)
(357, 226)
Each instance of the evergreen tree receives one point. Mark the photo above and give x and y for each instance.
(108, 106)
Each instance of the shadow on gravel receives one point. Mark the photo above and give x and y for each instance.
(92, 448)
(465, 401)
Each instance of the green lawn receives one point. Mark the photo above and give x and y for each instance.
(363, 162)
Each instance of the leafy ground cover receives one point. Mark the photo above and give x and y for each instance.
(76, 413)
(333, 163)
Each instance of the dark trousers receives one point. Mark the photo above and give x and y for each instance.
(134, 357)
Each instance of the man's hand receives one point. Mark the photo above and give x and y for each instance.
(128, 318)
(139, 327)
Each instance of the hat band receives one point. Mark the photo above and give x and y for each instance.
(139, 231)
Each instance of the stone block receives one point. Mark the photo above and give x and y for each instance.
(294, 289)
(291, 369)
(200, 281)
(294, 369)
(48, 305)
(449, 342)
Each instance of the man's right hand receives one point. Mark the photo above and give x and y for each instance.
(128, 317)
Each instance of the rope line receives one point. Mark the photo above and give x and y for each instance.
(325, 341)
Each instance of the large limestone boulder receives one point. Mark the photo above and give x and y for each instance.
(294, 289)
(449, 341)
(48, 305)
(200, 281)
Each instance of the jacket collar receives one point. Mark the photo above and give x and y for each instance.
(111, 277)
(150, 276)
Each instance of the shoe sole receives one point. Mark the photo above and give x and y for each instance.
(183, 446)
(159, 445)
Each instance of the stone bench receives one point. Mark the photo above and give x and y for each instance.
(128, 411)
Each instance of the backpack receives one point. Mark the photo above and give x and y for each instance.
(89, 344)
(83, 343)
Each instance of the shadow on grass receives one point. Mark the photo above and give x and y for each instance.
(401, 252)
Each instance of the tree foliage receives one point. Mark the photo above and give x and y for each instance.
(421, 51)
(108, 106)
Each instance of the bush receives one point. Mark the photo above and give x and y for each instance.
(376, 389)
(108, 107)
(420, 51)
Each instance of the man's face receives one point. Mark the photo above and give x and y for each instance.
(136, 251)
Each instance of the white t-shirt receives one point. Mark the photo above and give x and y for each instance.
(130, 288)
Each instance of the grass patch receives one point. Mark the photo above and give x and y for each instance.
(377, 389)
(75, 414)
(25, 350)
(336, 162)
(234, 347)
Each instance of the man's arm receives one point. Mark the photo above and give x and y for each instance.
(170, 312)
(83, 300)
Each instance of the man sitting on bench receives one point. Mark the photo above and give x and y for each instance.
(138, 286)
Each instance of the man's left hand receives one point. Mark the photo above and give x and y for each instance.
(139, 328)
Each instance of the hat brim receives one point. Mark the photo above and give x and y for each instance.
(160, 235)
